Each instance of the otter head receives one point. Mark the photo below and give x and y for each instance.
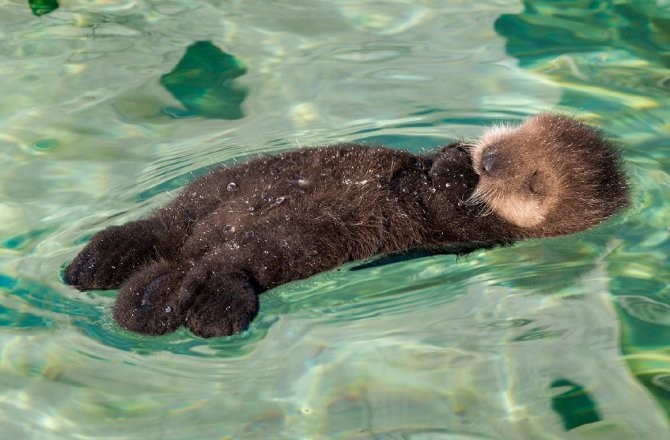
(551, 175)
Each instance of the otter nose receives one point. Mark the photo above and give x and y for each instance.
(490, 162)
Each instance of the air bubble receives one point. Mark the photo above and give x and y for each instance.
(279, 200)
(249, 234)
(232, 186)
(167, 309)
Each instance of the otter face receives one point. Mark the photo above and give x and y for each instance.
(550, 175)
(515, 182)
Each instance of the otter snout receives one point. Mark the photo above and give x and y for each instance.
(494, 163)
(491, 163)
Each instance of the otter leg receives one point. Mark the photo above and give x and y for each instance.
(151, 300)
(215, 291)
(226, 282)
(226, 300)
(116, 252)
(211, 297)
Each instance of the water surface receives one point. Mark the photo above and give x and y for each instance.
(561, 338)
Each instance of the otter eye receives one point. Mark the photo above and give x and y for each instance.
(536, 184)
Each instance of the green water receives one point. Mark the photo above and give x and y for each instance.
(109, 106)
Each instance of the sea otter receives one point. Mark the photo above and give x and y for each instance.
(202, 260)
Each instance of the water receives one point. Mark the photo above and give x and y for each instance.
(562, 338)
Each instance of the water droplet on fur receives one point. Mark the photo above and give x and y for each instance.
(447, 185)
(228, 229)
(279, 200)
(433, 189)
(249, 234)
(232, 186)
(167, 309)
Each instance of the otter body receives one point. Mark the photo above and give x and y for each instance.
(203, 259)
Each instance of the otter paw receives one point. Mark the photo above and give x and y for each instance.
(151, 301)
(225, 304)
(111, 256)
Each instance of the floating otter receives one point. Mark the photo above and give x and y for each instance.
(202, 260)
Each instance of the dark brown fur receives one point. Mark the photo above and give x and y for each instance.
(202, 260)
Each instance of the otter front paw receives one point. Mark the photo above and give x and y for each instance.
(112, 255)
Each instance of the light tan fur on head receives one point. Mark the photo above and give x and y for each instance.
(550, 175)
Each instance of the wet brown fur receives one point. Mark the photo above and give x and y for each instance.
(202, 260)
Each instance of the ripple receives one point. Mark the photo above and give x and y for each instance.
(437, 347)
(367, 54)
(646, 309)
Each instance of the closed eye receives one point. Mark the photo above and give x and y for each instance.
(536, 184)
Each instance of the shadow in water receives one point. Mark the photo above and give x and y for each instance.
(575, 405)
(41, 7)
(548, 28)
(203, 82)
